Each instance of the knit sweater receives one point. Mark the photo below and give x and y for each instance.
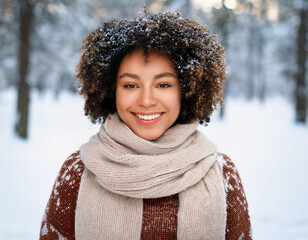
(159, 215)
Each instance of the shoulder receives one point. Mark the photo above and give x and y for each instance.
(231, 176)
(225, 162)
(59, 218)
(68, 179)
(72, 167)
(69, 175)
(238, 224)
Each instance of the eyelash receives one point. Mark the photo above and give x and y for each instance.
(164, 85)
(130, 86)
(161, 85)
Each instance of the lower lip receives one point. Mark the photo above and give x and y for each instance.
(148, 122)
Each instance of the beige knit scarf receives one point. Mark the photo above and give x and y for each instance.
(122, 169)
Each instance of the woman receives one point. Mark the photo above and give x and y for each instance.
(149, 173)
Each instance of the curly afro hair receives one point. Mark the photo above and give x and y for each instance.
(194, 52)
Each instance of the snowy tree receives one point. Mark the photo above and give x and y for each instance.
(223, 20)
(26, 19)
(26, 13)
(8, 40)
(294, 16)
(301, 93)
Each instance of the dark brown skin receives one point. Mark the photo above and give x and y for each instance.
(194, 52)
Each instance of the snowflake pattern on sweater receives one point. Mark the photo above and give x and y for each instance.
(159, 215)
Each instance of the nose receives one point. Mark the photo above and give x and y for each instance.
(147, 97)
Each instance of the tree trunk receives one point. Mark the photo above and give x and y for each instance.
(300, 78)
(26, 17)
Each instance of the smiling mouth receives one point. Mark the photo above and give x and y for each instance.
(148, 117)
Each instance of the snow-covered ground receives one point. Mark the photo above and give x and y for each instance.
(270, 151)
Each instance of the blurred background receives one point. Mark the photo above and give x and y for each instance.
(262, 126)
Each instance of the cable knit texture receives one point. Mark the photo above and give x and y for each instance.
(159, 215)
(122, 169)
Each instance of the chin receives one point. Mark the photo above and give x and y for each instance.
(150, 136)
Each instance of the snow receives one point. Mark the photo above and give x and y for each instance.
(268, 148)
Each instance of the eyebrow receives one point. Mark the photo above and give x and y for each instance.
(161, 75)
(165, 74)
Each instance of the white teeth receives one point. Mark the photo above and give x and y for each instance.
(148, 117)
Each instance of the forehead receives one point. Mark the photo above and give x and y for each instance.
(139, 60)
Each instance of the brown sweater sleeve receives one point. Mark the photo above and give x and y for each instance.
(238, 220)
(59, 218)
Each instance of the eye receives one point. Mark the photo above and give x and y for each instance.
(164, 85)
(130, 86)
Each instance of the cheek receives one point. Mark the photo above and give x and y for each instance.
(174, 102)
(177, 98)
(124, 101)
(178, 103)
(120, 103)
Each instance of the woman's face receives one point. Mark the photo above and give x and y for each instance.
(148, 97)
